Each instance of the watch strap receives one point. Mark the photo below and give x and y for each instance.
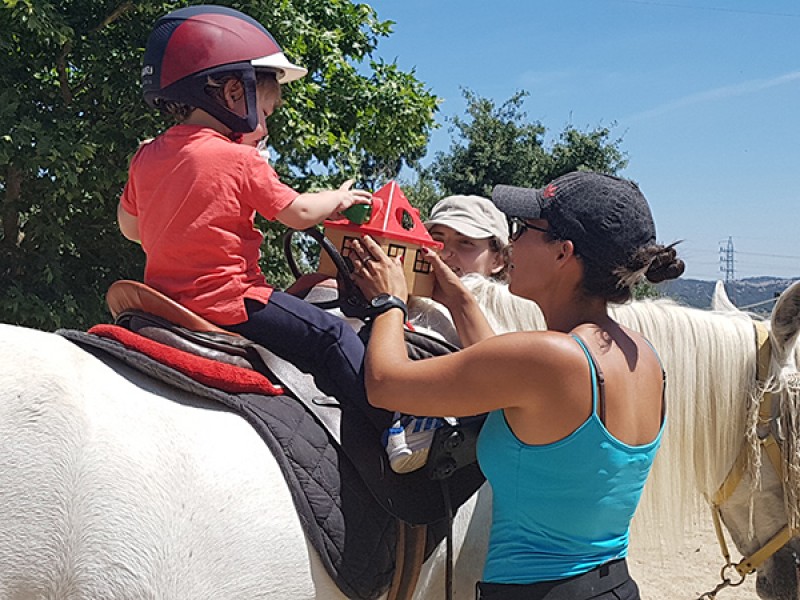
(387, 302)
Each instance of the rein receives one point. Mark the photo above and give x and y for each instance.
(770, 446)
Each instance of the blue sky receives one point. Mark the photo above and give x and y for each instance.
(704, 93)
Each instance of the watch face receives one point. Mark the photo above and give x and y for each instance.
(380, 300)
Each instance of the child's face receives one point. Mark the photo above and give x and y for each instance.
(465, 254)
(268, 98)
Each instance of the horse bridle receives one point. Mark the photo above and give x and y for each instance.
(772, 448)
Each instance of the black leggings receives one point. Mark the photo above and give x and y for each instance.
(610, 581)
(315, 342)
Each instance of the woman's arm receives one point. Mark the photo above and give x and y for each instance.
(377, 274)
(511, 370)
(499, 372)
(470, 321)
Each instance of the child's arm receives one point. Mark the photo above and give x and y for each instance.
(128, 224)
(314, 207)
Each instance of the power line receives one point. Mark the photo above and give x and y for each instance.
(770, 255)
(754, 304)
(713, 8)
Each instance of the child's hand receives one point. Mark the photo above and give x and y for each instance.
(348, 196)
(311, 208)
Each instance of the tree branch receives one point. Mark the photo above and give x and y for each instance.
(115, 14)
(61, 61)
(63, 79)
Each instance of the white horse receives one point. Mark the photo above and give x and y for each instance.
(115, 486)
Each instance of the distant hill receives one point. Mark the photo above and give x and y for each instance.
(753, 293)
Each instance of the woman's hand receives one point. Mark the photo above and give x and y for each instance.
(375, 273)
(448, 289)
(469, 320)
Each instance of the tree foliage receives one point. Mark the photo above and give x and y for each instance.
(644, 290)
(498, 145)
(422, 191)
(71, 116)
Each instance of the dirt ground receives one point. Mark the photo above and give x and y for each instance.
(685, 571)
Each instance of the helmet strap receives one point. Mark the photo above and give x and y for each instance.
(229, 118)
(191, 90)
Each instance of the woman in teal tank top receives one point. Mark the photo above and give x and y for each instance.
(575, 413)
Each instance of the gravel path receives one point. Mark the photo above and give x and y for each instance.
(685, 571)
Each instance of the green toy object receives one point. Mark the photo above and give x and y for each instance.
(358, 213)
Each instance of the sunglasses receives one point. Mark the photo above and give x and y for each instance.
(516, 227)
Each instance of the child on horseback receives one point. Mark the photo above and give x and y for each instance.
(193, 191)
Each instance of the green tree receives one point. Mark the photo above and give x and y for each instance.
(421, 191)
(71, 115)
(497, 144)
(644, 290)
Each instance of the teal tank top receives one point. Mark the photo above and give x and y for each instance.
(560, 509)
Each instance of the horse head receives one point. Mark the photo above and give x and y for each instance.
(778, 577)
(763, 514)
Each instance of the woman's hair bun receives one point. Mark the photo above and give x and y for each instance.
(665, 265)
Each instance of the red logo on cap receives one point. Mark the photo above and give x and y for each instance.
(549, 191)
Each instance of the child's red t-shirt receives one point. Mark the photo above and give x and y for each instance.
(195, 194)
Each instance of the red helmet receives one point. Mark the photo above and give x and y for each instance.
(190, 44)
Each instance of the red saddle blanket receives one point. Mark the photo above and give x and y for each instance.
(215, 374)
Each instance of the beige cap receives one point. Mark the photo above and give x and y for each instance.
(473, 216)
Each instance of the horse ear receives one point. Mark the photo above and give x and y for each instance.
(786, 322)
(720, 300)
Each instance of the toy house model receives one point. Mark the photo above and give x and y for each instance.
(395, 225)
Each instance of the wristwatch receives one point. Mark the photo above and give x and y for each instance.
(383, 302)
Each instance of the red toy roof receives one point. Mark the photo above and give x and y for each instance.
(392, 217)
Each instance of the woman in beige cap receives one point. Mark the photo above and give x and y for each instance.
(474, 233)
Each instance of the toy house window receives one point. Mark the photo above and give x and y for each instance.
(347, 246)
(347, 250)
(406, 220)
(420, 264)
(395, 250)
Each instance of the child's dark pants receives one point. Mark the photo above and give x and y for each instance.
(315, 342)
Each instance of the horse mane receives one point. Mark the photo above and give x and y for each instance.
(504, 311)
(783, 383)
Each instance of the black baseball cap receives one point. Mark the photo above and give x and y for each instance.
(604, 216)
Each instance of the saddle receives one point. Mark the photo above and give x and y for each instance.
(420, 502)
